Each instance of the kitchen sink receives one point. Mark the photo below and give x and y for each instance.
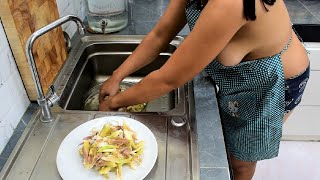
(91, 61)
(96, 64)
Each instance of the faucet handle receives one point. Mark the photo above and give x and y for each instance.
(53, 97)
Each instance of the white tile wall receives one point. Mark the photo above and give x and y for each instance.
(75, 7)
(13, 98)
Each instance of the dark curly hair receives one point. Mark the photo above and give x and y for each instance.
(249, 7)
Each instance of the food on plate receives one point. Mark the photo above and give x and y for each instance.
(111, 148)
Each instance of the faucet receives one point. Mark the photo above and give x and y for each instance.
(46, 102)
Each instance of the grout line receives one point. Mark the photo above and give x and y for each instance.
(146, 9)
(23, 122)
(309, 10)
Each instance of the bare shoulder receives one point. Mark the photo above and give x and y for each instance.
(235, 5)
(227, 9)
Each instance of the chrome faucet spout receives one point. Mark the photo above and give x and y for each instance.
(46, 102)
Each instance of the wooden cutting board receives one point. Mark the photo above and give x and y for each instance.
(20, 19)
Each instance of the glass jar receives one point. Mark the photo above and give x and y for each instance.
(106, 16)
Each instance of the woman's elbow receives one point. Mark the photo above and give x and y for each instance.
(166, 80)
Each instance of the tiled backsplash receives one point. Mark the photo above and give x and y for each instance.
(75, 7)
(304, 11)
(14, 100)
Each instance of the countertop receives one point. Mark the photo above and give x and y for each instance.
(212, 152)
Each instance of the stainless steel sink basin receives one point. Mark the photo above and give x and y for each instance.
(96, 64)
(92, 60)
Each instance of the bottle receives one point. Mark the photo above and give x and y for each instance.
(106, 16)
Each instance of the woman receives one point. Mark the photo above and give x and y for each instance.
(250, 50)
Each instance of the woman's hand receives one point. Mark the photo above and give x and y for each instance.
(110, 87)
(106, 104)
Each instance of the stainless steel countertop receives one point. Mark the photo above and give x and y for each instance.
(213, 159)
(34, 156)
(212, 152)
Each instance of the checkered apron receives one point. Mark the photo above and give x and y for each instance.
(251, 100)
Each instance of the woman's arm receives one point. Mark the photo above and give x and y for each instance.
(160, 36)
(168, 26)
(217, 24)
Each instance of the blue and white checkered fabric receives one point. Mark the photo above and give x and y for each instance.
(251, 102)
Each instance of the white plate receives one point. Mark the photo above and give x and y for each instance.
(69, 161)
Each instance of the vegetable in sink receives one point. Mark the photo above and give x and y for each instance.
(91, 103)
